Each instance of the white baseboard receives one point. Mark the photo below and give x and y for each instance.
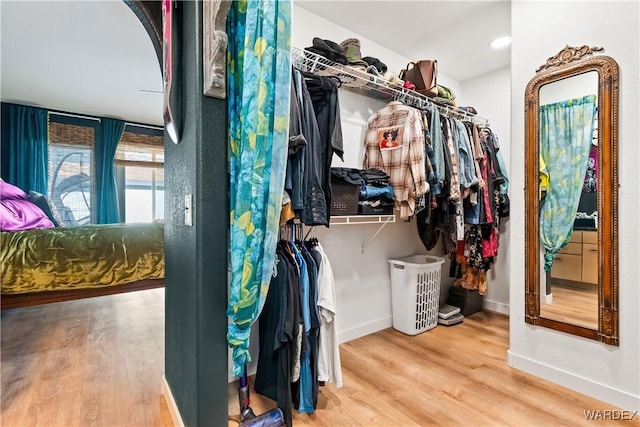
(171, 403)
(366, 329)
(621, 399)
(498, 307)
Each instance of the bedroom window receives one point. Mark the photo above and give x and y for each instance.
(144, 194)
(70, 171)
(140, 164)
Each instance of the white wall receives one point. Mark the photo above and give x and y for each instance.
(490, 95)
(608, 373)
(307, 25)
(362, 279)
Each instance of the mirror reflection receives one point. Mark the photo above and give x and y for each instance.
(571, 195)
(568, 147)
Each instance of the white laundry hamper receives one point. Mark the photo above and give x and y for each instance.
(415, 292)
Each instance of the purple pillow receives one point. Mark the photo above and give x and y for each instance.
(18, 215)
(10, 192)
(17, 212)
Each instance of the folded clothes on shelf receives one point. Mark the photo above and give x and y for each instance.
(360, 176)
(375, 192)
(375, 207)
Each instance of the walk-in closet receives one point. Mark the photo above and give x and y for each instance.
(285, 304)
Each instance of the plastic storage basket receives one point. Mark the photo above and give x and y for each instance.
(415, 293)
(344, 198)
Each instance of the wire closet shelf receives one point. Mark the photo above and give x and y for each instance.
(374, 86)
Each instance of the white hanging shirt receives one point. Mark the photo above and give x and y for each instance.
(329, 367)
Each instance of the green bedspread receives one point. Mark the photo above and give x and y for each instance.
(80, 257)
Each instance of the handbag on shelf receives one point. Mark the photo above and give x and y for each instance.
(424, 75)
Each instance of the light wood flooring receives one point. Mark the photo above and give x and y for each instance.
(91, 362)
(575, 305)
(448, 376)
(99, 362)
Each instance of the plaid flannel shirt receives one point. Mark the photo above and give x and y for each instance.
(403, 158)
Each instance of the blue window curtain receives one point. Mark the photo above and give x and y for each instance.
(566, 130)
(25, 156)
(111, 131)
(259, 75)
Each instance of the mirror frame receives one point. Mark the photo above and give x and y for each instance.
(570, 62)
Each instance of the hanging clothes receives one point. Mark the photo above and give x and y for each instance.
(394, 143)
(294, 179)
(329, 365)
(431, 170)
(466, 167)
(324, 95)
(276, 329)
(436, 138)
(303, 399)
(591, 176)
(454, 183)
(312, 269)
(307, 162)
(472, 197)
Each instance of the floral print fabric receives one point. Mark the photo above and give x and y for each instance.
(565, 141)
(259, 77)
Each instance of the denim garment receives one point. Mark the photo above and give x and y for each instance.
(306, 386)
(504, 187)
(466, 167)
(372, 192)
(430, 161)
(437, 141)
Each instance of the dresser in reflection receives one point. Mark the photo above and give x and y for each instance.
(578, 261)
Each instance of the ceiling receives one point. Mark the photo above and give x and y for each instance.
(94, 57)
(91, 57)
(456, 33)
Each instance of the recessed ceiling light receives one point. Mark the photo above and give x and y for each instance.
(501, 42)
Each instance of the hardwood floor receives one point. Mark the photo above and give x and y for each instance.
(92, 362)
(448, 376)
(99, 362)
(571, 304)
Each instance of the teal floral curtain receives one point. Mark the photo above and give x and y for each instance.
(259, 75)
(566, 129)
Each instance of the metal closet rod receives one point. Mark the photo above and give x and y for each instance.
(448, 111)
(371, 84)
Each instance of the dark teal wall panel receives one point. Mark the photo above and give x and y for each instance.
(196, 257)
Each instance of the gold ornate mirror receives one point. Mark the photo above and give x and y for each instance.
(571, 195)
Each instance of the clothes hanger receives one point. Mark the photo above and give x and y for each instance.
(287, 242)
(308, 232)
(299, 237)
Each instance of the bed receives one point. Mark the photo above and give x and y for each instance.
(63, 263)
